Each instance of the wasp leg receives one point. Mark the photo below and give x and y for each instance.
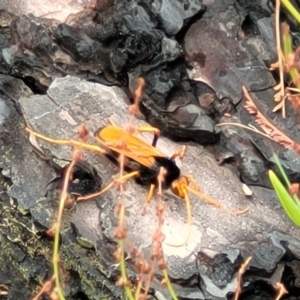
(155, 131)
(149, 198)
(115, 181)
(179, 153)
(72, 143)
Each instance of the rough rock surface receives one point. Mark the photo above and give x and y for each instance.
(225, 44)
(71, 101)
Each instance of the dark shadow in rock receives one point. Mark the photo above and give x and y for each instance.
(170, 104)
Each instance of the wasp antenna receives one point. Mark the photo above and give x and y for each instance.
(216, 203)
(206, 198)
(71, 143)
(189, 220)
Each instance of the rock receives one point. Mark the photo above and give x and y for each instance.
(73, 101)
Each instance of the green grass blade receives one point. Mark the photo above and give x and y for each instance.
(289, 205)
(280, 168)
(292, 10)
(285, 178)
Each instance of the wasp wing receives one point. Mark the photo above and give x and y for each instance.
(118, 139)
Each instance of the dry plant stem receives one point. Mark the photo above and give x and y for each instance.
(281, 290)
(280, 95)
(133, 109)
(63, 198)
(159, 237)
(123, 271)
(245, 127)
(139, 288)
(157, 254)
(169, 285)
(239, 278)
(291, 57)
(267, 126)
(55, 258)
(121, 228)
(47, 286)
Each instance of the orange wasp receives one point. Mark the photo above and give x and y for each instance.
(143, 162)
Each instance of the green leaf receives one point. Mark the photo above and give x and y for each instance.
(291, 208)
(292, 10)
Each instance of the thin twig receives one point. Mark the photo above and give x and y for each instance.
(242, 270)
